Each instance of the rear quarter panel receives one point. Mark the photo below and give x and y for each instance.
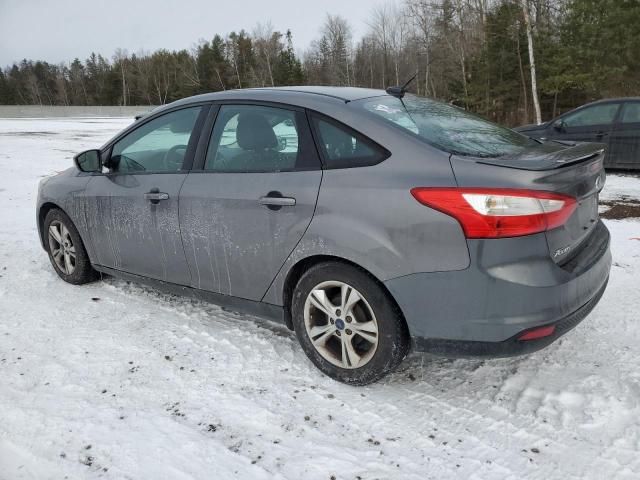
(368, 216)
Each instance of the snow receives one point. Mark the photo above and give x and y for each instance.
(140, 385)
(621, 187)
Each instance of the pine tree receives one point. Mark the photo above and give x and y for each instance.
(288, 69)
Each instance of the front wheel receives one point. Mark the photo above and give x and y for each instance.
(66, 250)
(347, 324)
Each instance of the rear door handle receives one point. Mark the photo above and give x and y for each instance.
(155, 195)
(278, 201)
(275, 201)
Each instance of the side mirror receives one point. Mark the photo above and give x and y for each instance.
(88, 161)
(559, 125)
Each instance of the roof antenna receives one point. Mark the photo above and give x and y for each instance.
(399, 92)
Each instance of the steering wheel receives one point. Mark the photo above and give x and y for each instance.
(167, 162)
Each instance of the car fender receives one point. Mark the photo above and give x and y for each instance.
(65, 191)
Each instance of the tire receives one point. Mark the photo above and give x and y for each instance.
(72, 264)
(325, 331)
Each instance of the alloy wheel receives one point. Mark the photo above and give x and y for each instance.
(341, 324)
(61, 246)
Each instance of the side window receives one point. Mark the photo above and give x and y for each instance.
(595, 115)
(158, 146)
(253, 138)
(343, 148)
(631, 113)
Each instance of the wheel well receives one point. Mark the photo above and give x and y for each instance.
(305, 264)
(42, 214)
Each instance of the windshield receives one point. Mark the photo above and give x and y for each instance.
(447, 127)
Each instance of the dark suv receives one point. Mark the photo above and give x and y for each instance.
(613, 122)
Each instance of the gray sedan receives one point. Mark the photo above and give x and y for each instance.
(369, 222)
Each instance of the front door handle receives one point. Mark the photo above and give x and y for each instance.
(275, 201)
(155, 195)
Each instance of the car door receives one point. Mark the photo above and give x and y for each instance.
(133, 216)
(624, 148)
(592, 123)
(250, 199)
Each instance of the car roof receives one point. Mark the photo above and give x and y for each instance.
(301, 96)
(614, 100)
(590, 104)
(346, 94)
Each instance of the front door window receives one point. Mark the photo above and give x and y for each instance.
(157, 146)
(595, 115)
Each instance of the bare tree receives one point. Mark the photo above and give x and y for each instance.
(267, 44)
(161, 74)
(522, 80)
(462, 46)
(532, 62)
(398, 34)
(120, 58)
(422, 15)
(61, 84)
(143, 74)
(380, 26)
(337, 32)
(232, 53)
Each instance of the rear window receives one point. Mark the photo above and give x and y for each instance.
(447, 127)
(341, 147)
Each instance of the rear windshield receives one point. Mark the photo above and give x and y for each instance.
(447, 127)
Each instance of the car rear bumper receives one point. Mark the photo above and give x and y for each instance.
(510, 347)
(511, 286)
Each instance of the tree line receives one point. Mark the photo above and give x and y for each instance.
(514, 61)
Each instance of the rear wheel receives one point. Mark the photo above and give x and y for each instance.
(347, 324)
(66, 250)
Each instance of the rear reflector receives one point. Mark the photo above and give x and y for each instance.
(538, 333)
(499, 212)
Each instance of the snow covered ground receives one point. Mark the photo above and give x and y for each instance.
(116, 381)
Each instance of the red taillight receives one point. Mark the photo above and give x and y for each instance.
(537, 333)
(499, 212)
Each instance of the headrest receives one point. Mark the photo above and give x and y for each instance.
(183, 122)
(254, 132)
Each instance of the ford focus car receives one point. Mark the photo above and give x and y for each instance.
(368, 222)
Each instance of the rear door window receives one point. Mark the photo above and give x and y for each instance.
(341, 147)
(256, 138)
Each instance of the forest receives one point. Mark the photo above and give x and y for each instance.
(513, 61)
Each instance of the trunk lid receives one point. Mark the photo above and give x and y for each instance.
(571, 169)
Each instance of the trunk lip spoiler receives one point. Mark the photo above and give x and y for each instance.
(581, 158)
(546, 165)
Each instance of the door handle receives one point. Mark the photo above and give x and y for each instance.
(155, 195)
(275, 201)
(602, 134)
(278, 201)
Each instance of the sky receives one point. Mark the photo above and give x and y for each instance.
(61, 30)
